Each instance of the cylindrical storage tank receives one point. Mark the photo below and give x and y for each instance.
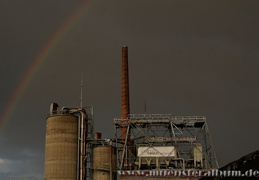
(61, 148)
(104, 162)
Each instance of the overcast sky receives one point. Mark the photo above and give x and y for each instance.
(185, 58)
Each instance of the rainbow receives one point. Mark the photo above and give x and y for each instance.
(40, 58)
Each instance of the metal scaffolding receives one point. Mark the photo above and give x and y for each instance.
(187, 136)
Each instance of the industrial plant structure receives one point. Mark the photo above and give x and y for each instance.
(145, 146)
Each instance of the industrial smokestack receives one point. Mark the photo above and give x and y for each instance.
(125, 104)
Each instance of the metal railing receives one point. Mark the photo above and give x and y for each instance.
(160, 118)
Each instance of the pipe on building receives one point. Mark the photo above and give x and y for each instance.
(78, 150)
(111, 166)
(82, 145)
(81, 137)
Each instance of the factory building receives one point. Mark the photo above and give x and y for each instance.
(145, 146)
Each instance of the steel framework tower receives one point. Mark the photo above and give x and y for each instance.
(164, 141)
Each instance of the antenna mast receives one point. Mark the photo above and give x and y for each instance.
(145, 108)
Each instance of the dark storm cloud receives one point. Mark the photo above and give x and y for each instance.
(186, 58)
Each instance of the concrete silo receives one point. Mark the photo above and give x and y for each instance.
(104, 162)
(61, 150)
(67, 134)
